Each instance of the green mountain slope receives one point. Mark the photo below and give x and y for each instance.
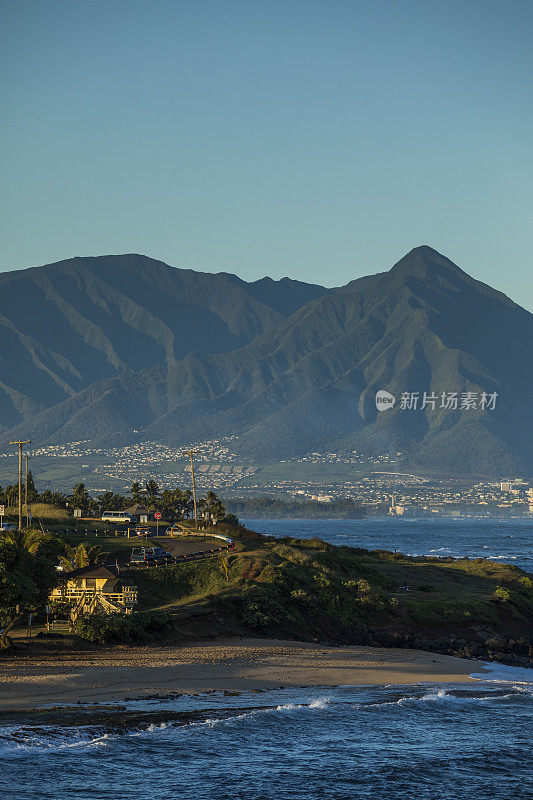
(309, 380)
(65, 326)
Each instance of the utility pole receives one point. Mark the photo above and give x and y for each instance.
(191, 453)
(20, 446)
(26, 457)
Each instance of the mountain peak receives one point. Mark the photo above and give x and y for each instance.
(425, 250)
(426, 262)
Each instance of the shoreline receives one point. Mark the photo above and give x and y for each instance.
(115, 674)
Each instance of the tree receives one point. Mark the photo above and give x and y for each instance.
(32, 491)
(80, 497)
(29, 540)
(212, 505)
(12, 495)
(56, 499)
(187, 504)
(152, 490)
(166, 505)
(136, 492)
(230, 519)
(81, 556)
(26, 577)
(112, 502)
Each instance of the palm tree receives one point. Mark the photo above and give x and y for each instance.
(30, 540)
(136, 492)
(213, 506)
(110, 501)
(187, 503)
(22, 542)
(81, 556)
(152, 490)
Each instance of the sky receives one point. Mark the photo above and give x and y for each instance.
(319, 140)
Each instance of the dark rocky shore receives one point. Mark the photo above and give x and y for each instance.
(514, 652)
(115, 719)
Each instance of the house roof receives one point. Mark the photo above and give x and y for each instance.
(91, 572)
(136, 509)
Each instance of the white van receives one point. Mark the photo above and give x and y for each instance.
(116, 516)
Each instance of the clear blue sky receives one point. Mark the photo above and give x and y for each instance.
(319, 140)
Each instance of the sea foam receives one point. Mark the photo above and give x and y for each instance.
(503, 673)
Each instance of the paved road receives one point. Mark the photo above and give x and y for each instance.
(180, 549)
(185, 547)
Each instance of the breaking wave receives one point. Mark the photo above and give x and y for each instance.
(367, 742)
(27, 739)
(40, 739)
(503, 673)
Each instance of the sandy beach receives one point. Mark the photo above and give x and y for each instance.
(113, 674)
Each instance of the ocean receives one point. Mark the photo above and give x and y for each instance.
(508, 540)
(422, 742)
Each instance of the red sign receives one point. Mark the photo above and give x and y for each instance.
(157, 515)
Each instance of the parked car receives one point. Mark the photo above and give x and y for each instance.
(162, 556)
(8, 526)
(149, 556)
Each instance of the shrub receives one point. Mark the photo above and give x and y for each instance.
(321, 580)
(48, 512)
(314, 544)
(262, 612)
(501, 593)
(352, 584)
(146, 626)
(300, 595)
(230, 519)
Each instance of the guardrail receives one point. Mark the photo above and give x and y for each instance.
(185, 557)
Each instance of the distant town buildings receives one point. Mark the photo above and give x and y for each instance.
(370, 479)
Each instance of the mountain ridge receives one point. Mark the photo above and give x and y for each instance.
(307, 378)
(93, 318)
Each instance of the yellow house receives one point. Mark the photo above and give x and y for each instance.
(95, 590)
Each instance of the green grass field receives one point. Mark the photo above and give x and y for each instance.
(307, 589)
